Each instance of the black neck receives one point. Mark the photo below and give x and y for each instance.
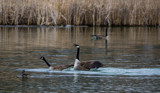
(46, 62)
(106, 32)
(77, 56)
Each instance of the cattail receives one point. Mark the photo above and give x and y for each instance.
(80, 12)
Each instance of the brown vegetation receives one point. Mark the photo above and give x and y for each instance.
(80, 12)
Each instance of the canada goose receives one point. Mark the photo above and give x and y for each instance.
(85, 65)
(24, 75)
(96, 37)
(60, 67)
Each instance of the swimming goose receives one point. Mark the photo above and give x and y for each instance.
(96, 37)
(85, 65)
(24, 75)
(60, 67)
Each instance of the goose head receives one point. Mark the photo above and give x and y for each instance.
(42, 58)
(76, 45)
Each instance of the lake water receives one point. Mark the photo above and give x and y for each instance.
(131, 56)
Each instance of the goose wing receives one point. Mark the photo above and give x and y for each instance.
(96, 37)
(62, 67)
(90, 64)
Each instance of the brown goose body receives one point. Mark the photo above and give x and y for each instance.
(85, 65)
(99, 37)
(96, 37)
(60, 67)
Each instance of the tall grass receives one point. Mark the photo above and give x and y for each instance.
(80, 12)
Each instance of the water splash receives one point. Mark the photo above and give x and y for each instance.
(102, 71)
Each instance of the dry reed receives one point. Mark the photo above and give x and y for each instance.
(80, 12)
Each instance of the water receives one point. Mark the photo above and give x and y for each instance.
(130, 56)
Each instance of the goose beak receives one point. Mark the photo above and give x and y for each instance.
(41, 57)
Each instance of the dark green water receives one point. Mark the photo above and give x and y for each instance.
(131, 57)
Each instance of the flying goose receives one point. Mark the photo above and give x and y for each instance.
(85, 65)
(96, 37)
(60, 67)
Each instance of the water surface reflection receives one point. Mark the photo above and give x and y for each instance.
(131, 58)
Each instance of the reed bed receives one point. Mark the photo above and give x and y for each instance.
(80, 12)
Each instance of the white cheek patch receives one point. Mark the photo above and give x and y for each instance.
(77, 46)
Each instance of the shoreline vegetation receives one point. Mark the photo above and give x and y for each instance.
(80, 12)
